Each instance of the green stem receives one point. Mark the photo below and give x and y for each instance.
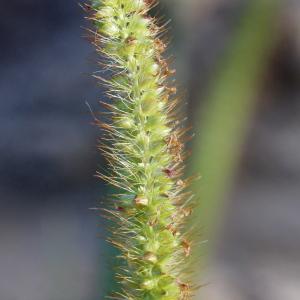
(229, 109)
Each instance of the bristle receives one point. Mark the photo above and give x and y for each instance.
(143, 144)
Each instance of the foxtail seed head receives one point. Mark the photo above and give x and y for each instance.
(142, 144)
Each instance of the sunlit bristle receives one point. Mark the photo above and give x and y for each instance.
(142, 142)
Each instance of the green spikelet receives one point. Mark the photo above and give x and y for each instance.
(143, 149)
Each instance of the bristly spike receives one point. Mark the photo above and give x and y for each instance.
(143, 144)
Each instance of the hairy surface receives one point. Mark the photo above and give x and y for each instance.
(143, 146)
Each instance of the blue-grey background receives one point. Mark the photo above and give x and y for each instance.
(49, 248)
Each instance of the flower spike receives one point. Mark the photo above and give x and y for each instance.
(142, 144)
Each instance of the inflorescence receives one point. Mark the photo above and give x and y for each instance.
(143, 144)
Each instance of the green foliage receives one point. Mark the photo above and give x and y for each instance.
(230, 106)
(227, 113)
(142, 145)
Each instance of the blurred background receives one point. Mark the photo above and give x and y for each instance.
(238, 65)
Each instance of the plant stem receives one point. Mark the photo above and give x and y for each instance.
(229, 108)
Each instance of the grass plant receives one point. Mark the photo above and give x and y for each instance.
(143, 143)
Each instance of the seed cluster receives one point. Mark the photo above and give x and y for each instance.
(143, 147)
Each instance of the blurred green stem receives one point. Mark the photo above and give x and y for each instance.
(229, 109)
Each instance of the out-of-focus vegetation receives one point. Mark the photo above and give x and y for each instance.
(222, 124)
